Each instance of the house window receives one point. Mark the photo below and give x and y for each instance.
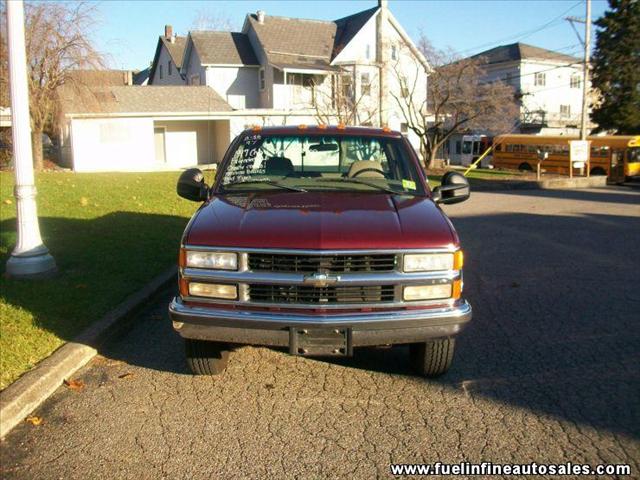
(365, 84)
(346, 87)
(565, 110)
(540, 80)
(161, 75)
(404, 87)
(367, 52)
(394, 52)
(195, 79)
(261, 79)
(576, 81)
(169, 68)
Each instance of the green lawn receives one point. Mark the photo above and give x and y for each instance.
(109, 234)
(479, 176)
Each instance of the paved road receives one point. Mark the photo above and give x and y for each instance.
(548, 372)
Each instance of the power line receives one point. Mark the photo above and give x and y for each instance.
(524, 34)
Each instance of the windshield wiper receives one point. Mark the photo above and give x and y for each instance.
(267, 182)
(364, 182)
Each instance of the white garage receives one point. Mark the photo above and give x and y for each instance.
(144, 129)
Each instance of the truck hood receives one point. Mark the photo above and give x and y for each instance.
(321, 221)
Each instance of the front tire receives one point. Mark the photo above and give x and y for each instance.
(432, 358)
(206, 358)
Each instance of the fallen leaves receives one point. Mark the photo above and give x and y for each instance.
(84, 201)
(76, 385)
(8, 201)
(126, 375)
(34, 420)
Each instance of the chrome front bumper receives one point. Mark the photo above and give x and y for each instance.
(272, 328)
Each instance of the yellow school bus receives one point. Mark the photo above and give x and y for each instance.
(617, 156)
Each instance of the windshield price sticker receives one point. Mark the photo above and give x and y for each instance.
(409, 184)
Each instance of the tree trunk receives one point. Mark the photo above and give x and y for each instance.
(424, 153)
(432, 156)
(36, 145)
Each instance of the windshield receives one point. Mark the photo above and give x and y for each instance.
(329, 163)
(634, 155)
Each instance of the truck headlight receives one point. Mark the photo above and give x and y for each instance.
(430, 262)
(427, 292)
(213, 260)
(213, 290)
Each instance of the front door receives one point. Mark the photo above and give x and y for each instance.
(158, 136)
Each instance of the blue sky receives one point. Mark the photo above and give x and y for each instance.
(128, 30)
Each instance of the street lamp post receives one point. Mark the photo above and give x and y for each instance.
(30, 258)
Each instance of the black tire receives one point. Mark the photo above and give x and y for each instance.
(206, 358)
(525, 167)
(597, 171)
(432, 358)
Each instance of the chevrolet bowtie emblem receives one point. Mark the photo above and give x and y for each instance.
(320, 280)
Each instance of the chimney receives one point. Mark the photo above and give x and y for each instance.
(260, 14)
(383, 4)
(168, 32)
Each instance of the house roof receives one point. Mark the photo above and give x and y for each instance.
(348, 27)
(175, 49)
(223, 48)
(141, 99)
(100, 78)
(141, 77)
(521, 51)
(296, 42)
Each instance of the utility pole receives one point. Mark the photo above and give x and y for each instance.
(585, 155)
(585, 73)
(30, 258)
(586, 43)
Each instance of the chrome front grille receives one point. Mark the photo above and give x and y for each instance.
(267, 262)
(292, 294)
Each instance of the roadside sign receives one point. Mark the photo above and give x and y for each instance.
(579, 151)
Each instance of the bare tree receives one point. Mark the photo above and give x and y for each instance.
(207, 20)
(57, 36)
(335, 102)
(456, 99)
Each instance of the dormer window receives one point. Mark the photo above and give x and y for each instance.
(161, 75)
(169, 68)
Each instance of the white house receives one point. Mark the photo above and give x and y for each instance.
(548, 85)
(276, 71)
(283, 64)
(167, 61)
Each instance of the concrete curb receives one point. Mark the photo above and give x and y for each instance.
(548, 184)
(34, 387)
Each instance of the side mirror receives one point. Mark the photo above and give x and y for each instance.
(454, 188)
(191, 185)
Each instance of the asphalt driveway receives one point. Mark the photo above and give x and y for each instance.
(549, 371)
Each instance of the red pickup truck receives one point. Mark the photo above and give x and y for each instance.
(320, 239)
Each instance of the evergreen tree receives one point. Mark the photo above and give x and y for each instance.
(616, 68)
